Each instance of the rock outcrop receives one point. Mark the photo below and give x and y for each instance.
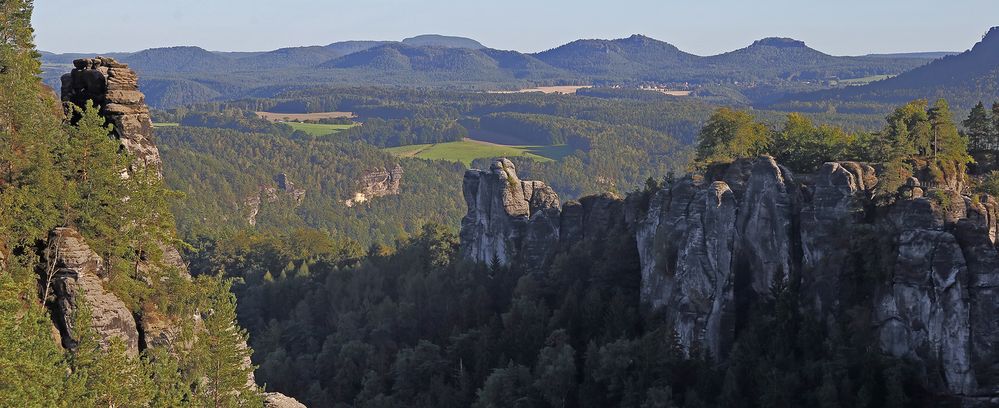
(278, 400)
(114, 89)
(377, 183)
(283, 187)
(75, 274)
(925, 269)
(508, 218)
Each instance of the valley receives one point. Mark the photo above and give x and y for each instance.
(438, 221)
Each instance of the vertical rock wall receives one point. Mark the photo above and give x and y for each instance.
(709, 247)
(114, 89)
(508, 218)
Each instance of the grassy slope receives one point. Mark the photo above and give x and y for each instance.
(467, 150)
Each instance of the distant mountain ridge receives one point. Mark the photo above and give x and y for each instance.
(437, 40)
(964, 79)
(190, 74)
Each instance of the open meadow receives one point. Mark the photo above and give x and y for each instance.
(468, 150)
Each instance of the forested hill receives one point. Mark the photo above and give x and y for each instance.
(963, 79)
(183, 75)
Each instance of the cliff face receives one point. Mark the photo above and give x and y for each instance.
(75, 273)
(77, 279)
(923, 271)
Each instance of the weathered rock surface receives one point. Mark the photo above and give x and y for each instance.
(114, 89)
(377, 183)
(711, 246)
(507, 217)
(278, 400)
(77, 273)
(283, 187)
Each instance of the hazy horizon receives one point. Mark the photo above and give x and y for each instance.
(851, 27)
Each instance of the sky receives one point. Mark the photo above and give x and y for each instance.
(703, 27)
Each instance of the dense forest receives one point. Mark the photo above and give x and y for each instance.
(221, 255)
(64, 173)
(416, 324)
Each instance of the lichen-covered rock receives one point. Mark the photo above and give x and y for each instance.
(278, 400)
(114, 89)
(77, 281)
(507, 217)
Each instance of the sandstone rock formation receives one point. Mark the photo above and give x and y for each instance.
(114, 89)
(711, 245)
(508, 218)
(278, 400)
(77, 274)
(377, 183)
(271, 194)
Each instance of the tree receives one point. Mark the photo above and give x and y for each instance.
(507, 387)
(31, 365)
(802, 146)
(555, 373)
(730, 134)
(948, 143)
(979, 128)
(221, 357)
(103, 373)
(29, 128)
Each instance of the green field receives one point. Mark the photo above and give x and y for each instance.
(165, 124)
(467, 150)
(864, 80)
(318, 129)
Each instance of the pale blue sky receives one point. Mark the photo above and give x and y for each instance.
(843, 27)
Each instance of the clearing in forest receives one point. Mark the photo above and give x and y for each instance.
(467, 150)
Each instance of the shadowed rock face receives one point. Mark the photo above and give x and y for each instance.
(77, 281)
(114, 89)
(709, 247)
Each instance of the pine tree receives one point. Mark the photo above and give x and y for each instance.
(948, 144)
(29, 127)
(169, 389)
(979, 128)
(220, 355)
(31, 365)
(995, 126)
(103, 374)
